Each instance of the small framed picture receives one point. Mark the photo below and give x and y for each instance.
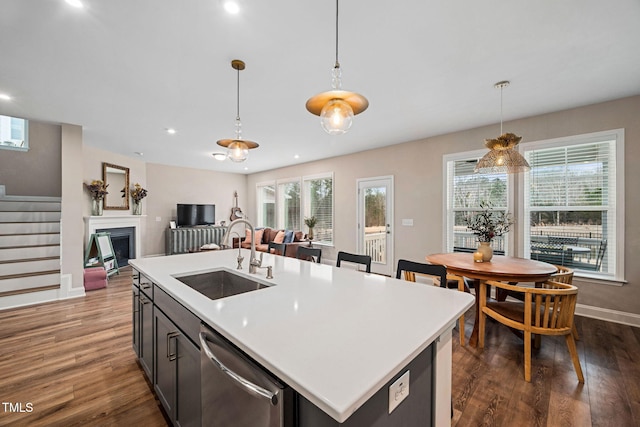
(172, 224)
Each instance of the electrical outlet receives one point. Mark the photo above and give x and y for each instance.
(398, 391)
(407, 222)
(158, 218)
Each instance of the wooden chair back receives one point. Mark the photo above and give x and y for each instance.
(563, 275)
(546, 310)
(356, 259)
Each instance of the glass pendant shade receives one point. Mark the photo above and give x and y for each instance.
(238, 151)
(336, 117)
(336, 107)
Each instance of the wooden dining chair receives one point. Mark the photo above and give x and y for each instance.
(309, 254)
(547, 310)
(356, 259)
(441, 278)
(278, 248)
(565, 275)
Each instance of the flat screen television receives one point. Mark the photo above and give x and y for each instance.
(191, 215)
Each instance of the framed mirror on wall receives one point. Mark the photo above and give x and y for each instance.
(117, 177)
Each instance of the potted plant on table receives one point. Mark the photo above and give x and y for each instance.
(310, 222)
(98, 190)
(137, 194)
(486, 225)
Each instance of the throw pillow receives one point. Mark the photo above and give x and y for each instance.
(279, 237)
(247, 238)
(297, 237)
(288, 236)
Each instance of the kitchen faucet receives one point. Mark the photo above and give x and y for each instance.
(254, 262)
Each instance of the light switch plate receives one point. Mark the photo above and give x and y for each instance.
(158, 218)
(398, 391)
(407, 222)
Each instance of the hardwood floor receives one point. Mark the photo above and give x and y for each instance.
(489, 388)
(73, 362)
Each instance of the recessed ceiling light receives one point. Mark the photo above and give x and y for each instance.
(219, 156)
(296, 156)
(171, 131)
(231, 7)
(75, 3)
(246, 168)
(5, 97)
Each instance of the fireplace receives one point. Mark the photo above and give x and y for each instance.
(123, 240)
(93, 224)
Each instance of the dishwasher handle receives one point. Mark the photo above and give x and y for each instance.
(248, 385)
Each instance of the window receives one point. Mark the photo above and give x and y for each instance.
(465, 190)
(318, 202)
(572, 203)
(289, 206)
(13, 133)
(284, 205)
(266, 203)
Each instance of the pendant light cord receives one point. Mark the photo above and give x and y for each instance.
(238, 95)
(337, 63)
(501, 89)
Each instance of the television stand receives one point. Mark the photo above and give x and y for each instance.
(180, 240)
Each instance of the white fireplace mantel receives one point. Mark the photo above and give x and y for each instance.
(93, 223)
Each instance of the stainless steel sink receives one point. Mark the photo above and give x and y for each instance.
(220, 284)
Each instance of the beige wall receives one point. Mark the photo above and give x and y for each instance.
(170, 185)
(71, 224)
(417, 170)
(166, 186)
(42, 162)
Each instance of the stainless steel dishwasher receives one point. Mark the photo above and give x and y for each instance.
(235, 390)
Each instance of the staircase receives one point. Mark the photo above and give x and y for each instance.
(29, 244)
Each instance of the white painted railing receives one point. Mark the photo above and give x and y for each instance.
(375, 245)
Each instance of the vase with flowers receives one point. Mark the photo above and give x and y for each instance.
(486, 225)
(310, 222)
(98, 190)
(137, 194)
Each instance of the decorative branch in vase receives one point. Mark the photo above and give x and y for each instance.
(310, 222)
(98, 190)
(486, 225)
(137, 194)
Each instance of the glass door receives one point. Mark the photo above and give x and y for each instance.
(375, 219)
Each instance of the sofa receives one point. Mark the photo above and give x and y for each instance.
(291, 239)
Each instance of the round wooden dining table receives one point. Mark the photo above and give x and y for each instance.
(501, 268)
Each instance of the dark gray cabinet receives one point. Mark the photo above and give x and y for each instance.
(136, 318)
(177, 372)
(145, 308)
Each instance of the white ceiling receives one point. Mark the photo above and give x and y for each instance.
(128, 69)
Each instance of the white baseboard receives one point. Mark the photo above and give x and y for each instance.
(67, 290)
(608, 315)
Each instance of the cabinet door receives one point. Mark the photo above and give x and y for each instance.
(164, 381)
(135, 309)
(146, 334)
(188, 383)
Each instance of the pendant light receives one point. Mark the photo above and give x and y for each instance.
(238, 148)
(337, 107)
(503, 157)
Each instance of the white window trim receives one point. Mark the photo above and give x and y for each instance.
(618, 135)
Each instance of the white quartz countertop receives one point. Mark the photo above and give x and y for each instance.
(335, 335)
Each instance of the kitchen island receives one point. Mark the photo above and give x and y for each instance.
(334, 335)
